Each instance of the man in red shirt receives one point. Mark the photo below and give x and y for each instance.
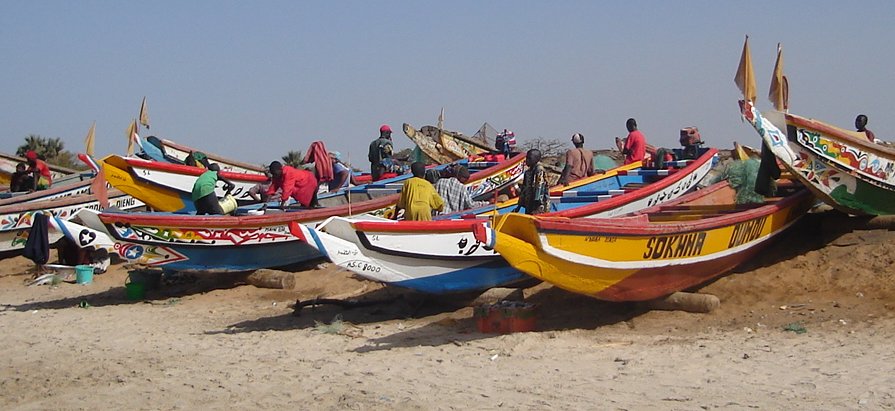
(634, 146)
(42, 177)
(299, 184)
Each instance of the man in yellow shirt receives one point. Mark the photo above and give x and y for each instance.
(418, 196)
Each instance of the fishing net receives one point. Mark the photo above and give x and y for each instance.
(741, 176)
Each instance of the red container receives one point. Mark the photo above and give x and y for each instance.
(505, 318)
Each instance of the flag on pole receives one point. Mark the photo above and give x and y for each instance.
(88, 141)
(144, 114)
(98, 186)
(132, 137)
(745, 78)
(779, 92)
(441, 120)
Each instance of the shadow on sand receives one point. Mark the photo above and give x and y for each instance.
(447, 321)
(189, 285)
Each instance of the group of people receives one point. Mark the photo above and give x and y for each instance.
(32, 175)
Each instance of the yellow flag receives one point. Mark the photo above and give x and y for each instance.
(779, 93)
(745, 78)
(88, 141)
(131, 137)
(144, 114)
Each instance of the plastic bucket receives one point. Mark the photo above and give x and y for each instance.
(228, 204)
(135, 291)
(83, 274)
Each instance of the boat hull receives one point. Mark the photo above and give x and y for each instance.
(632, 259)
(446, 256)
(849, 175)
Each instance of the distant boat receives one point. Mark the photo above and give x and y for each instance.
(653, 253)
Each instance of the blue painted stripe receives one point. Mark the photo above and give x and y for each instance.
(477, 278)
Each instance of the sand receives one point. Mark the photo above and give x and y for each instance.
(214, 342)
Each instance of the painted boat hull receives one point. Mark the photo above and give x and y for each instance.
(428, 146)
(633, 259)
(445, 256)
(16, 220)
(217, 243)
(853, 176)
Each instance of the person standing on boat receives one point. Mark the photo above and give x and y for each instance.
(40, 170)
(380, 153)
(418, 196)
(579, 161)
(861, 125)
(204, 197)
(454, 192)
(634, 146)
(534, 196)
(300, 185)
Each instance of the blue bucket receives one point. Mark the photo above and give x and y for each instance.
(83, 274)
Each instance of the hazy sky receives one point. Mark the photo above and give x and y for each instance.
(251, 80)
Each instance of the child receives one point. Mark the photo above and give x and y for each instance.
(535, 196)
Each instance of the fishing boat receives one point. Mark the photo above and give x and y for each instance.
(168, 151)
(841, 167)
(649, 254)
(445, 256)
(168, 187)
(229, 243)
(428, 145)
(8, 166)
(16, 219)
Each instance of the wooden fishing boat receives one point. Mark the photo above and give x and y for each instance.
(167, 187)
(841, 167)
(16, 219)
(8, 164)
(445, 145)
(457, 144)
(168, 151)
(71, 188)
(652, 253)
(444, 256)
(227, 243)
(430, 147)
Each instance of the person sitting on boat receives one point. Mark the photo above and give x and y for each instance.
(341, 173)
(418, 196)
(258, 192)
(579, 161)
(21, 179)
(380, 153)
(634, 146)
(535, 196)
(861, 125)
(454, 192)
(40, 170)
(204, 197)
(298, 184)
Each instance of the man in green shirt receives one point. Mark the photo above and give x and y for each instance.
(204, 198)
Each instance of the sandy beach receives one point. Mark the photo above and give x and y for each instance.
(215, 342)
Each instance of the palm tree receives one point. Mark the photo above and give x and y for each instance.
(292, 158)
(32, 142)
